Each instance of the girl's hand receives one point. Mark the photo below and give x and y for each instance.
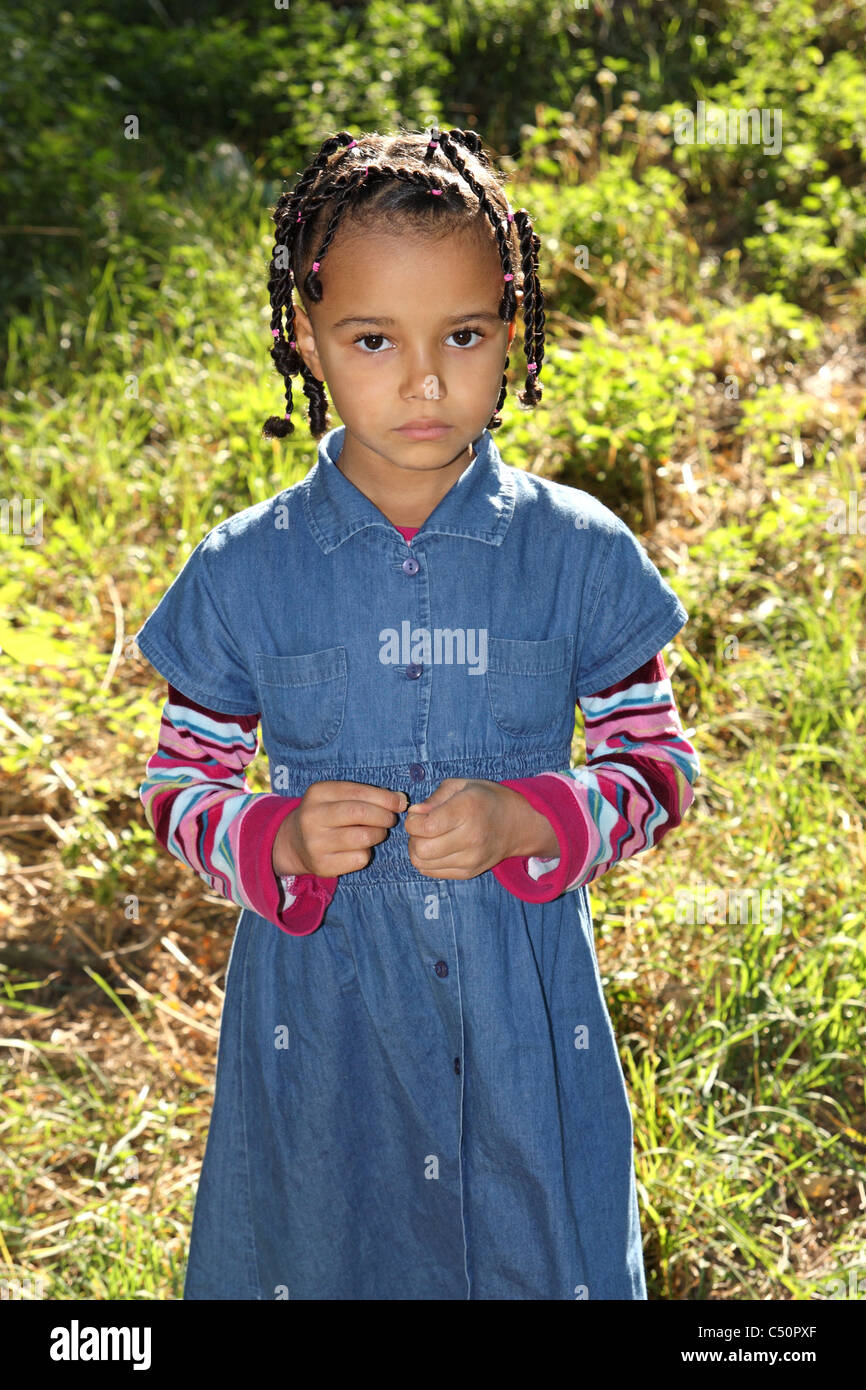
(469, 824)
(332, 829)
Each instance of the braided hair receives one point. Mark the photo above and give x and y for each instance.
(391, 177)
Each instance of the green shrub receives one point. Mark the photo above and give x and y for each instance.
(612, 243)
(800, 250)
(613, 410)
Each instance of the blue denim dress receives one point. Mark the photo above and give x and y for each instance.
(422, 1099)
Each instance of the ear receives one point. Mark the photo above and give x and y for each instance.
(306, 342)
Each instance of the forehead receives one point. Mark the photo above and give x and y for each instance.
(383, 271)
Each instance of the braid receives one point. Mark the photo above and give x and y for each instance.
(286, 357)
(533, 307)
(373, 170)
(508, 306)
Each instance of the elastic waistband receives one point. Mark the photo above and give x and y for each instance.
(390, 862)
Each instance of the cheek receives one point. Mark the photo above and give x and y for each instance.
(353, 387)
(342, 370)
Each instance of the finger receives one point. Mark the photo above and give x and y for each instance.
(442, 793)
(441, 848)
(354, 849)
(345, 862)
(386, 797)
(418, 824)
(452, 868)
(426, 826)
(431, 824)
(363, 813)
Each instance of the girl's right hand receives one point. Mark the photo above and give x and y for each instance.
(334, 827)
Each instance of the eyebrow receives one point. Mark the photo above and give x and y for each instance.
(388, 323)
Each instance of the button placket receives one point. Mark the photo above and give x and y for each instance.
(414, 670)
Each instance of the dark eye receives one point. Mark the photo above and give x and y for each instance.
(476, 331)
(365, 336)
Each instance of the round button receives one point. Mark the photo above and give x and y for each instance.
(416, 772)
(411, 565)
(413, 670)
(441, 968)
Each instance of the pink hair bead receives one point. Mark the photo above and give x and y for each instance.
(532, 366)
(316, 265)
(511, 217)
(437, 192)
(292, 343)
(509, 276)
(276, 332)
(351, 143)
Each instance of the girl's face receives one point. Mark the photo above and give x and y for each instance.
(407, 330)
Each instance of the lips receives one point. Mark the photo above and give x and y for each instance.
(423, 425)
(430, 433)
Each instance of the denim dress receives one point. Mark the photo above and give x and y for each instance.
(422, 1098)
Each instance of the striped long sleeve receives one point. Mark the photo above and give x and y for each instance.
(636, 785)
(200, 808)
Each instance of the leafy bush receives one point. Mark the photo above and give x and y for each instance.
(768, 327)
(802, 58)
(628, 234)
(613, 410)
(800, 250)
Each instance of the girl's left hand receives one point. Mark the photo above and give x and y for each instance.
(466, 826)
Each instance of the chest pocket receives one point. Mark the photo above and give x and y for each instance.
(529, 683)
(303, 697)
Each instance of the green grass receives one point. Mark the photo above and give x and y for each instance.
(742, 1040)
(97, 1195)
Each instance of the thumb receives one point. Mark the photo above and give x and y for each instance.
(443, 792)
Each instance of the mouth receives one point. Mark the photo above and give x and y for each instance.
(424, 429)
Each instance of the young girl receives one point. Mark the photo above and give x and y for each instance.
(418, 1091)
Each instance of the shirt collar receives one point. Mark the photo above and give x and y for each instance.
(478, 506)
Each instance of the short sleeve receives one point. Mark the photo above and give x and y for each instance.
(188, 640)
(634, 612)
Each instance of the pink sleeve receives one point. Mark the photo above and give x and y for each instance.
(200, 808)
(635, 787)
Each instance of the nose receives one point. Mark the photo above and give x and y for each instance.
(424, 385)
(423, 379)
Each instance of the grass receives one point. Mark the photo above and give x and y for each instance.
(741, 1041)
